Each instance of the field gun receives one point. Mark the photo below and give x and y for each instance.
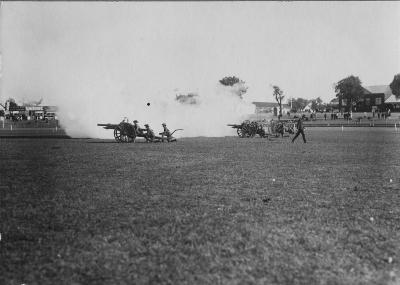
(249, 129)
(125, 132)
(263, 128)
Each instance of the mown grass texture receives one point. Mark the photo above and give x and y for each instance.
(202, 210)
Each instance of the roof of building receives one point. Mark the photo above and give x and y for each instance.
(379, 89)
(269, 104)
(392, 99)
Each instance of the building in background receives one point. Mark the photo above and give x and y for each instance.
(270, 107)
(392, 103)
(373, 99)
(12, 111)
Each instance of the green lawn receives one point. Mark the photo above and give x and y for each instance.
(202, 210)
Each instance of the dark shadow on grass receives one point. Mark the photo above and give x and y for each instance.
(115, 142)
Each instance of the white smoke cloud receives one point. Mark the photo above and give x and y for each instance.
(217, 106)
(101, 63)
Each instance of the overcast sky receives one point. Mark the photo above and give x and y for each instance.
(304, 47)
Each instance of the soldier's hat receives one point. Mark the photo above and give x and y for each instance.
(146, 125)
(135, 121)
(164, 124)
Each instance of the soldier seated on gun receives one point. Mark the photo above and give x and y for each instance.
(138, 129)
(149, 133)
(166, 133)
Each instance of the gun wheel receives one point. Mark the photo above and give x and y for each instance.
(240, 133)
(120, 136)
(117, 134)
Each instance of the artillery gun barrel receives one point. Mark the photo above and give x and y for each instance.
(108, 126)
(234, 126)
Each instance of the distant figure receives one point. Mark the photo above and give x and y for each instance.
(300, 129)
(149, 133)
(325, 116)
(379, 114)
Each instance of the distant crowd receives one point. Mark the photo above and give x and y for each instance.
(347, 115)
(24, 117)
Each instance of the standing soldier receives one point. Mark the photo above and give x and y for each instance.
(149, 133)
(300, 129)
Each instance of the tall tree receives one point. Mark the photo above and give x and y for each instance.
(278, 94)
(11, 103)
(349, 89)
(238, 85)
(395, 85)
(298, 103)
(316, 104)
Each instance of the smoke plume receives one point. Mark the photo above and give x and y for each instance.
(101, 63)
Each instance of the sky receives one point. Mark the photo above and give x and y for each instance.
(63, 51)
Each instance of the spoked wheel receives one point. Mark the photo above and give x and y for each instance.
(121, 136)
(117, 134)
(246, 132)
(240, 132)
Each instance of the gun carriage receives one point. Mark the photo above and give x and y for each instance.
(125, 132)
(264, 129)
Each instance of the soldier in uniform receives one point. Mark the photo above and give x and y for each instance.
(166, 132)
(138, 129)
(149, 133)
(300, 129)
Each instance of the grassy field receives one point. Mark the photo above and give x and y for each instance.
(202, 210)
